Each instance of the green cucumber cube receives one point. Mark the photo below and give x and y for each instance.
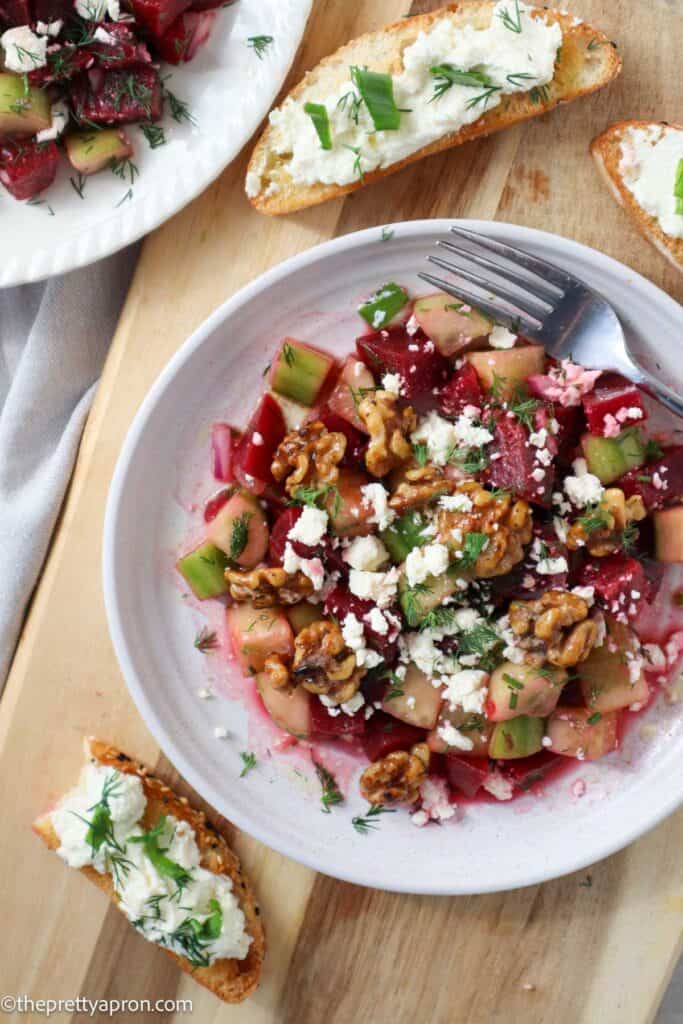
(519, 737)
(204, 570)
(403, 535)
(383, 306)
(299, 371)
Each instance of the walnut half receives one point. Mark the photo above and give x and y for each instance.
(309, 455)
(554, 628)
(506, 522)
(323, 664)
(266, 587)
(613, 515)
(397, 777)
(388, 426)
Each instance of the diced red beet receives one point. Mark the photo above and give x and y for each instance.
(113, 96)
(15, 12)
(157, 15)
(616, 579)
(527, 772)
(251, 462)
(572, 423)
(333, 726)
(341, 602)
(64, 62)
(466, 774)
(658, 483)
(209, 5)
(27, 168)
(414, 357)
(278, 535)
(384, 734)
(607, 405)
(185, 36)
(222, 444)
(462, 389)
(51, 10)
(216, 503)
(356, 443)
(513, 470)
(124, 51)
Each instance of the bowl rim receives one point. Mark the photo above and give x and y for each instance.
(513, 234)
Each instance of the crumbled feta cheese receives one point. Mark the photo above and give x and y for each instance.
(220, 732)
(60, 119)
(552, 566)
(538, 438)
(453, 737)
(456, 502)
(366, 553)
(50, 28)
(438, 434)
(102, 36)
(379, 587)
(498, 786)
(376, 497)
(431, 560)
(392, 383)
(203, 693)
(95, 10)
(310, 527)
(350, 707)
(467, 690)
(354, 638)
(586, 593)
(584, 488)
(435, 802)
(501, 337)
(311, 567)
(377, 622)
(24, 50)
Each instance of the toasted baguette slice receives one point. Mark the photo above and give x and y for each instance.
(587, 62)
(230, 980)
(606, 150)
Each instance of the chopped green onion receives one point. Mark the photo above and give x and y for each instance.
(321, 122)
(383, 306)
(678, 187)
(377, 91)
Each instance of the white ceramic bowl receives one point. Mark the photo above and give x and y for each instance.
(228, 91)
(217, 374)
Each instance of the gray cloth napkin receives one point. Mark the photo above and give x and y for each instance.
(54, 338)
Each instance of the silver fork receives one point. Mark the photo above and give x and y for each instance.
(545, 303)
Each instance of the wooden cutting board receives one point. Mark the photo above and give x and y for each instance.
(594, 947)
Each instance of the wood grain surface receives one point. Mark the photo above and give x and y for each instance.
(593, 947)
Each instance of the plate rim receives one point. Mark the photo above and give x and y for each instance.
(509, 232)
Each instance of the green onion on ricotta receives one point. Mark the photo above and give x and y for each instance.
(472, 69)
(156, 872)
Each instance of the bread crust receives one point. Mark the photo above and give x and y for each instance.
(231, 980)
(588, 61)
(606, 151)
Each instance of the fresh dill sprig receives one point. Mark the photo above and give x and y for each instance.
(629, 538)
(260, 44)
(239, 535)
(180, 111)
(483, 97)
(421, 453)
(159, 858)
(353, 101)
(248, 762)
(473, 546)
(520, 76)
(514, 24)
(411, 602)
(357, 169)
(331, 794)
(154, 133)
(524, 407)
(79, 184)
(540, 94)
(446, 75)
(364, 823)
(653, 450)
(310, 495)
(128, 195)
(35, 201)
(205, 640)
(596, 517)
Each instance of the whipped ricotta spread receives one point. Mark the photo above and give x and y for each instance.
(515, 53)
(648, 164)
(157, 876)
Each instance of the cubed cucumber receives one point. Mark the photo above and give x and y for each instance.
(452, 325)
(381, 308)
(299, 371)
(304, 614)
(507, 369)
(257, 632)
(416, 602)
(608, 458)
(204, 569)
(23, 111)
(582, 733)
(289, 709)
(240, 529)
(520, 737)
(414, 699)
(516, 690)
(403, 535)
(668, 524)
(92, 151)
(605, 677)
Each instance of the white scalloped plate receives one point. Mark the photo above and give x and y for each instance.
(217, 374)
(228, 90)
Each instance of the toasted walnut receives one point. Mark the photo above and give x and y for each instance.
(276, 672)
(506, 522)
(601, 531)
(388, 427)
(268, 586)
(323, 663)
(397, 777)
(309, 455)
(554, 628)
(419, 485)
